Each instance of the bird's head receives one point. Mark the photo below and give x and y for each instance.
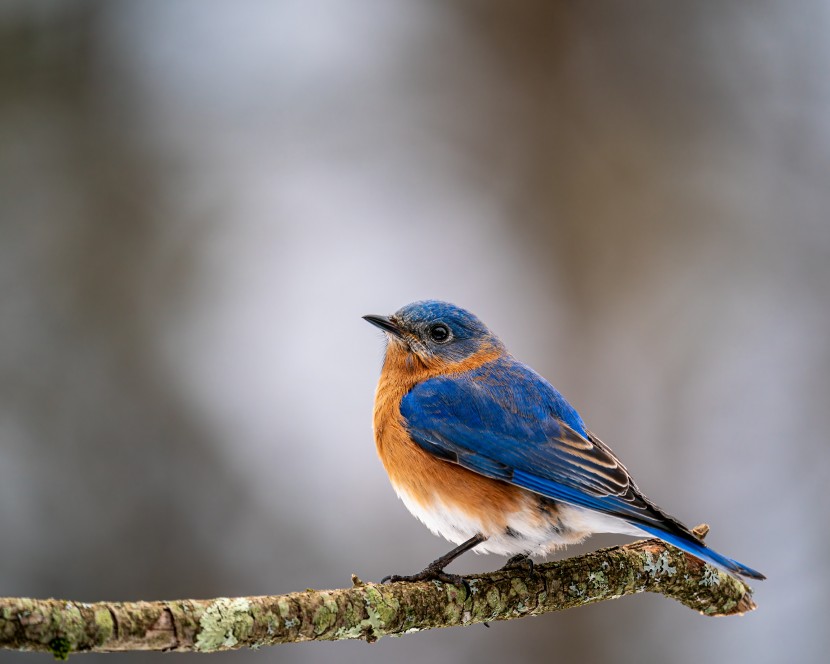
(436, 333)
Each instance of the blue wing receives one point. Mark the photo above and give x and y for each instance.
(505, 421)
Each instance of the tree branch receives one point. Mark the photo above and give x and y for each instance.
(369, 611)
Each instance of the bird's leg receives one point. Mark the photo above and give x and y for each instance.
(521, 561)
(435, 570)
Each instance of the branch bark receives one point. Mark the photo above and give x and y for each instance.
(367, 610)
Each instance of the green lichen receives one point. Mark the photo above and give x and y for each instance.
(373, 619)
(597, 579)
(284, 607)
(493, 598)
(381, 610)
(578, 590)
(60, 647)
(351, 630)
(267, 618)
(519, 587)
(103, 626)
(453, 611)
(325, 616)
(656, 567)
(223, 624)
(520, 591)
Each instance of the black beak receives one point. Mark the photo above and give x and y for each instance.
(384, 323)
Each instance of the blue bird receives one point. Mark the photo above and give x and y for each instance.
(489, 455)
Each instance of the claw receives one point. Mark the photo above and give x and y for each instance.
(431, 574)
(435, 570)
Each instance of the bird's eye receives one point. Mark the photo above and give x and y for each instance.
(439, 333)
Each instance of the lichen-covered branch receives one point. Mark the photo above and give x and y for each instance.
(367, 610)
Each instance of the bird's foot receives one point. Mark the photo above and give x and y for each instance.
(435, 570)
(430, 573)
(520, 561)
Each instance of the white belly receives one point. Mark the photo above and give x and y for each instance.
(524, 530)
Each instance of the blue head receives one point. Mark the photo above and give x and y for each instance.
(437, 331)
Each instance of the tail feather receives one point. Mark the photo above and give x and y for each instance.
(699, 550)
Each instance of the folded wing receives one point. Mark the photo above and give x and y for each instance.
(505, 421)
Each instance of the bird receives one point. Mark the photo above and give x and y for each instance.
(489, 455)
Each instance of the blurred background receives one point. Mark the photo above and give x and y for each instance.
(198, 201)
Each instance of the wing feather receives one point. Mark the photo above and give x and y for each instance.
(506, 422)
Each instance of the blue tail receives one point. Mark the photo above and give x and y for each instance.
(700, 550)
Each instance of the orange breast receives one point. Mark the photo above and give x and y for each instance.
(425, 478)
